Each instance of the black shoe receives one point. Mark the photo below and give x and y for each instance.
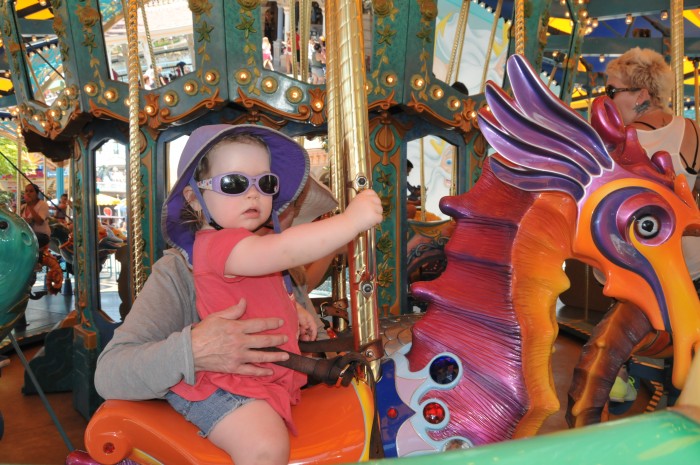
(21, 324)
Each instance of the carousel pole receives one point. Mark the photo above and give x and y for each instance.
(456, 53)
(677, 47)
(337, 162)
(422, 179)
(355, 143)
(135, 207)
(18, 196)
(304, 22)
(519, 26)
(293, 38)
(489, 48)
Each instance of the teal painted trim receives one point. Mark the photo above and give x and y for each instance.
(15, 57)
(619, 8)
(389, 51)
(59, 182)
(536, 21)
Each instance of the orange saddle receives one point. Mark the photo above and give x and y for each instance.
(334, 425)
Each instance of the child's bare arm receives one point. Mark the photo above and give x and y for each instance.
(299, 245)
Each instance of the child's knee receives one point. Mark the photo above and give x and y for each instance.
(269, 450)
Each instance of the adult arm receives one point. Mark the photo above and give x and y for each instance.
(39, 211)
(151, 350)
(157, 346)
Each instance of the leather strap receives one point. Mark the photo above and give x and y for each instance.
(338, 370)
(337, 309)
(342, 343)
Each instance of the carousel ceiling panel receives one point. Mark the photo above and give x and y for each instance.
(33, 9)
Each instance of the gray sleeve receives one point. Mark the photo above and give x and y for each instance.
(152, 350)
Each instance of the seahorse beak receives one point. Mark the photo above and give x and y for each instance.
(684, 315)
(681, 297)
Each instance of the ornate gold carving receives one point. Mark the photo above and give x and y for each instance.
(248, 4)
(101, 112)
(462, 120)
(383, 104)
(209, 103)
(269, 85)
(318, 97)
(304, 111)
(382, 7)
(384, 138)
(87, 15)
(428, 9)
(199, 7)
(255, 116)
(294, 94)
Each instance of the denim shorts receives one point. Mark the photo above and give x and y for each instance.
(207, 413)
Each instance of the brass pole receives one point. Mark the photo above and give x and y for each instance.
(677, 47)
(456, 53)
(519, 27)
(422, 179)
(135, 208)
(337, 161)
(489, 48)
(149, 42)
(304, 22)
(696, 89)
(18, 196)
(352, 97)
(293, 38)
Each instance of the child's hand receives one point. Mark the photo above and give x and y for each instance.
(307, 324)
(365, 210)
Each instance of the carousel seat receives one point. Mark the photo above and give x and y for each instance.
(333, 423)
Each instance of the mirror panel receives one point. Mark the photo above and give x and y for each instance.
(45, 67)
(276, 24)
(173, 151)
(112, 246)
(170, 28)
(436, 158)
(468, 68)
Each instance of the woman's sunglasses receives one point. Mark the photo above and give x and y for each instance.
(239, 183)
(610, 91)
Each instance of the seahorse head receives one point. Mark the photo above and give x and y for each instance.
(632, 209)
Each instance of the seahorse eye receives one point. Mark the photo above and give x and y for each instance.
(4, 224)
(648, 226)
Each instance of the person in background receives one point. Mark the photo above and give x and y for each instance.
(287, 55)
(36, 213)
(61, 213)
(460, 87)
(318, 61)
(640, 84)
(267, 54)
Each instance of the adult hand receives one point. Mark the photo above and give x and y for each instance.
(223, 343)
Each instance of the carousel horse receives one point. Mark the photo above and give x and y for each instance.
(478, 369)
(109, 239)
(19, 253)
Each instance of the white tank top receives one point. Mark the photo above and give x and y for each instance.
(668, 138)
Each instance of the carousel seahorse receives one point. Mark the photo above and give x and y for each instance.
(556, 189)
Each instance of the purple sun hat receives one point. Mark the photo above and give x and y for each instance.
(288, 160)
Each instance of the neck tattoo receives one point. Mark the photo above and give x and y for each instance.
(641, 108)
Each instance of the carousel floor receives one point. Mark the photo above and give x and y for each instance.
(31, 438)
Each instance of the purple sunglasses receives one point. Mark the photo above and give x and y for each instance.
(239, 183)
